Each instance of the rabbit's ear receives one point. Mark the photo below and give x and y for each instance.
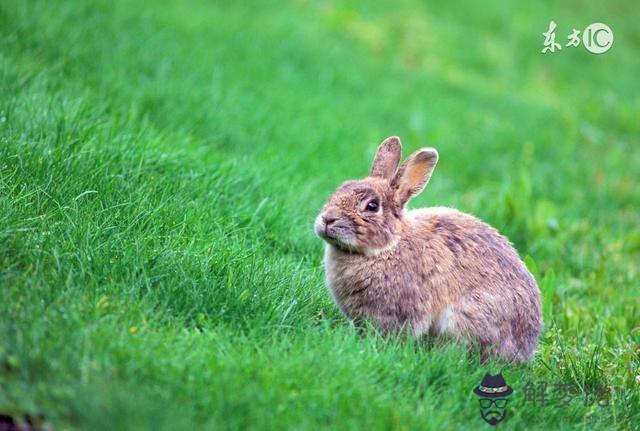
(414, 174)
(387, 158)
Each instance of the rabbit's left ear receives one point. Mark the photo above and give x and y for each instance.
(387, 158)
(414, 174)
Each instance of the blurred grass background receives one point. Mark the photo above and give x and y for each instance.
(161, 166)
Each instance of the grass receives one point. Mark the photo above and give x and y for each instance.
(161, 167)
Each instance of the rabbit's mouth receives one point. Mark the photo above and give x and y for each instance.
(334, 233)
(340, 244)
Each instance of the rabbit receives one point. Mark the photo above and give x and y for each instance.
(436, 271)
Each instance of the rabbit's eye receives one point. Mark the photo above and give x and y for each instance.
(373, 205)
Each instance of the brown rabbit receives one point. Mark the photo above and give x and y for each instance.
(435, 270)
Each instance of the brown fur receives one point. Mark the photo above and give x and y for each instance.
(435, 270)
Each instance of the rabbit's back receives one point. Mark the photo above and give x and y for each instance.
(468, 252)
(492, 295)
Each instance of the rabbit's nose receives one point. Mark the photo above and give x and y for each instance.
(329, 217)
(328, 220)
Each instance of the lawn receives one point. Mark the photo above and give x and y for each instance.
(161, 165)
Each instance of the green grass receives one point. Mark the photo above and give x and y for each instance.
(161, 167)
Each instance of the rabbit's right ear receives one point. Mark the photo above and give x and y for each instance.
(414, 174)
(387, 158)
